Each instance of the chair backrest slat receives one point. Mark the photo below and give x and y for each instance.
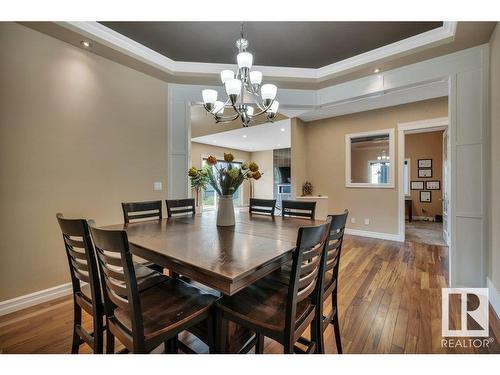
(263, 206)
(81, 260)
(180, 207)
(119, 278)
(298, 209)
(141, 210)
(333, 248)
(305, 275)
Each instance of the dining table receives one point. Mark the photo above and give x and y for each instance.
(225, 259)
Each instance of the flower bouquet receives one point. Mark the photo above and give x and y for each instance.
(225, 178)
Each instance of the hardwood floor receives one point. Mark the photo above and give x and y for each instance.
(389, 302)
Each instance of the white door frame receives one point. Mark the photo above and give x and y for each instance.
(423, 126)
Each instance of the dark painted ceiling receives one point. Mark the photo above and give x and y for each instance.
(290, 44)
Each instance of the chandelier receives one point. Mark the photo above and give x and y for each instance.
(240, 88)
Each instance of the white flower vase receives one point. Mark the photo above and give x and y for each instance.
(225, 212)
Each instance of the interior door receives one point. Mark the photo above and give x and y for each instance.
(445, 189)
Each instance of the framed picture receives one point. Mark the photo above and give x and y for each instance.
(433, 185)
(425, 163)
(417, 185)
(425, 196)
(425, 173)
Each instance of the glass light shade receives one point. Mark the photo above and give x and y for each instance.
(249, 111)
(226, 75)
(218, 108)
(209, 96)
(379, 157)
(274, 107)
(255, 77)
(268, 91)
(233, 86)
(245, 60)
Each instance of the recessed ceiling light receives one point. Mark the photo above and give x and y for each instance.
(377, 70)
(282, 129)
(278, 145)
(214, 141)
(85, 43)
(244, 135)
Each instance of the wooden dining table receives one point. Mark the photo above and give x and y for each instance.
(226, 259)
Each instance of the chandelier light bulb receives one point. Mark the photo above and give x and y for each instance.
(226, 75)
(218, 108)
(255, 77)
(268, 91)
(245, 60)
(233, 86)
(274, 108)
(209, 96)
(249, 111)
(379, 157)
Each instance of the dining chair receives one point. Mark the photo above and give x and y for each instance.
(329, 271)
(83, 269)
(298, 209)
(275, 310)
(133, 211)
(144, 314)
(179, 207)
(262, 206)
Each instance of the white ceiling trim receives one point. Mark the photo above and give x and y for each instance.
(119, 42)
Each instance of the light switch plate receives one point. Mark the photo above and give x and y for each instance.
(157, 186)
(367, 221)
(353, 220)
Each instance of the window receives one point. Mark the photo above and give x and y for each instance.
(209, 196)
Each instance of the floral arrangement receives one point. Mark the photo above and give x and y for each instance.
(307, 188)
(226, 179)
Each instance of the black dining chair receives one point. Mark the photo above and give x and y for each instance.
(329, 278)
(262, 206)
(134, 211)
(298, 209)
(144, 312)
(83, 269)
(278, 311)
(180, 207)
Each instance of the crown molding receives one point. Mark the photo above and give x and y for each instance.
(112, 39)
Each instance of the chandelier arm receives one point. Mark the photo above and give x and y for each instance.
(257, 96)
(224, 120)
(263, 111)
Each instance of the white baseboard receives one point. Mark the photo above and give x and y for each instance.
(379, 235)
(494, 296)
(28, 300)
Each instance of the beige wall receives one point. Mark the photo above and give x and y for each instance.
(494, 264)
(199, 150)
(324, 156)
(78, 134)
(426, 146)
(299, 154)
(263, 188)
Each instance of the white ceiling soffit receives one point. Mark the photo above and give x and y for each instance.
(119, 42)
(263, 137)
(381, 99)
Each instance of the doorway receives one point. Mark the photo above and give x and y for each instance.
(424, 183)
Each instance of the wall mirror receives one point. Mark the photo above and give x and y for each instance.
(370, 159)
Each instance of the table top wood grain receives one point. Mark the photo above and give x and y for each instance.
(224, 258)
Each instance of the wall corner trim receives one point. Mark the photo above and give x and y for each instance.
(28, 300)
(494, 296)
(378, 235)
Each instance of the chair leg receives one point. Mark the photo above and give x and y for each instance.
(220, 332)
(211, 327)
(259, 346)
(77, 320)
(335, 323)
(110, 341)
(98, 335)
(317, 334)
(288, 348)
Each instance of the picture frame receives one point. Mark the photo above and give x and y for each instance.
(425, 173)
(425, 163)
(417, 185)
(425, 196)
(433, 185)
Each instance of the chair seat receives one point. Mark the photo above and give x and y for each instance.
(166, 306)
(263, 304)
